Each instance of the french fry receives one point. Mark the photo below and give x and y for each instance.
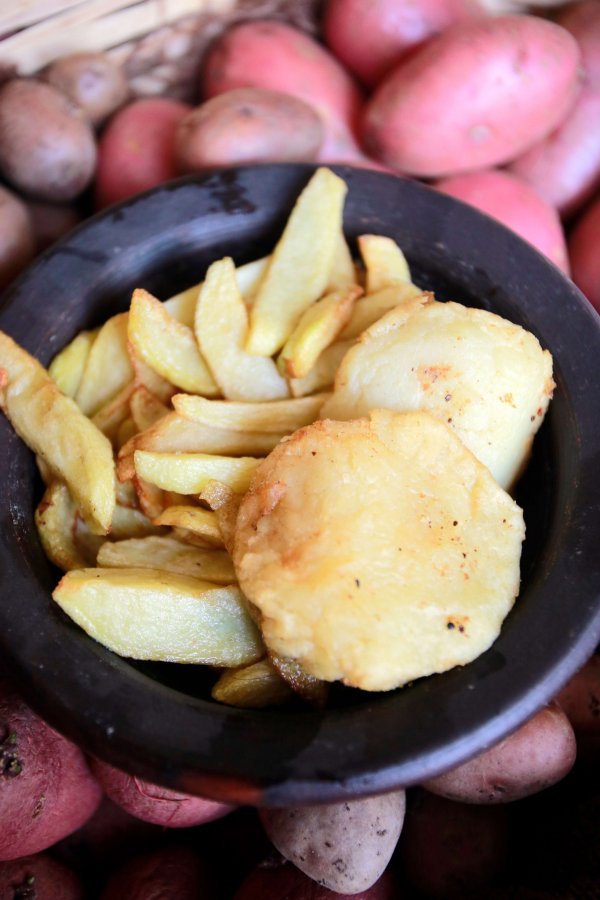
(226, 514)
(125, 432)
(169, 555)
(343, 272)
(152, 614)
(67, 366)
(167, 346)
(221, 327)
(113, 414)
(188, 473)
(54, 427)
(201, 522)
(150, 498)
(132, 523)
(107, 368)
(146, 408)
(148, 378)
(371, 308)
(301, 266)
(384, 261)
(252, 687)
(309, 688)
(317, 329)
(322, 374)
(216, 494)
(55, 519)
(279, 417)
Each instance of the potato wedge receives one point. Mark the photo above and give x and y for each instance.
(157, 615)
(54, 427)
(146, 408)
(310, 689)
(169, 555)
(301, 266)
(317, 329)
(322, 374)
(221, 328)
(67, 366)
(132, 523)
(343, 273)
(150, 498)
(110, 417)
(384, 261)
(202, 522)
(149, 379)
(487, 378)
(167, 346)
(279, 417)
(108, 369)
(188, 473)
(371, 308)
(55, 519)
(252, 687)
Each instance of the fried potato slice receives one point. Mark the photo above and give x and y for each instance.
(107, 368)
(67, 366)
(202, 522)
(378, 550)
(56, 520)
(169, 555)
(252, 687)
(310, 689)
(221, 327)
(167, 346)
(152, 614)
(54, 427)
(278, 417)
(149, 379)
(371, 308)
(322, 374)
(384, 261)
(343, 272)
(486, 377)
(188, 473)
(301, 265)
(146, 408)
(112, 416)
(132, 523)
(317, 329)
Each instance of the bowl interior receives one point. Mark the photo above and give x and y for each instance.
(156, 719)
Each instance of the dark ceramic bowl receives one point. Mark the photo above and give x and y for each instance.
(157, 720)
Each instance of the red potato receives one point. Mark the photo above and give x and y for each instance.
(155, 804)
(580, 699)
(584, 253)
(171, 873)
(280, 879)
(46, 788)
(17, 243)
(137, 149)
(478, 95)
(39, 878)
(248, 125)
(276, 57)
(51, 222)
(371, 36)
(451, 849)
(535, 757)
(517, 205)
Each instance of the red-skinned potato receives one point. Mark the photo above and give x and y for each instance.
(46, 788)
(39, 877)
(17, 242)
(47, 149)
(580, 699)
(452, 849)
(531, 759)
(514, 203)
(280, 879)
(477, 95)
(565, 167)
(137, 149)
(155, 804)
(584, 253)
(248, 125)
(50, 222)
(92, 81)
(371, 36)
(170, 873)
(277, 57)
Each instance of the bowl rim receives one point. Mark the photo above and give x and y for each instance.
(330, 755)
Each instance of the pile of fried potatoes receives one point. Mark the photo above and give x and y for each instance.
(370, 551)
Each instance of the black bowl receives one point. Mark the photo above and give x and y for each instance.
(157, 720)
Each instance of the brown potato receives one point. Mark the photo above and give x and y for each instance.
(248, 125)
(17, 244)
(46, 147)
(91, 80)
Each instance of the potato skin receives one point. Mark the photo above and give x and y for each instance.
(92, 81)
(155, 804)
(531, 759)
(343, 846)
(45, 877)
(476, 96)
(46, 786)
(517, 205)
(281, 879)
(584, 253)
(248, 125)
(17, 244)
(47, 149)
(171, 873)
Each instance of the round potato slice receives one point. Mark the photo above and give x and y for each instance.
(484, 376)
(378, 550)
